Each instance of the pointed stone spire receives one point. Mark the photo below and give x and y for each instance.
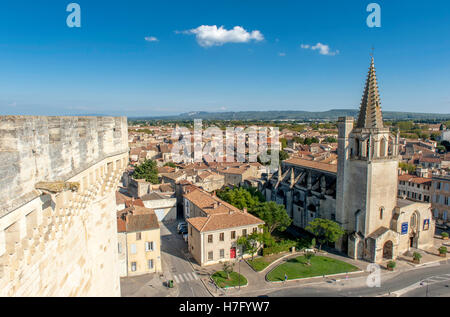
(370, 116)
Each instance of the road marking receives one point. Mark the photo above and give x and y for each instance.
(432, 264)
(429, 281)
(185, 277)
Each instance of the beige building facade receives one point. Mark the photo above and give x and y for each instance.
(214, 227)
(440, 193)
(414, 188)
(139, 241)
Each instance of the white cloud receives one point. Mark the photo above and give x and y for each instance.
(151, 39)
(322, 48)
(211, 35)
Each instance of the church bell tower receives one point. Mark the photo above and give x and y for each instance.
(367, 171)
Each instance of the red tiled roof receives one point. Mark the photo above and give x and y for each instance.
(312, 164)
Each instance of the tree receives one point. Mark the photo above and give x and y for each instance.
(274, 215)
(308, 256)
(148, 171)
(410, 168)
(282, 155)
(325, 230)
(228, 268)
(170, 164)
(446, 144)
(251, 243)
(267, 239)
(241, 198)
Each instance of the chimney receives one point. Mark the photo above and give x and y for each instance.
(245, 209)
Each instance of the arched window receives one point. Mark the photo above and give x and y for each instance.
(381, 212)
(357, 150)
(368, 148)
(413, 221)
(383, 147)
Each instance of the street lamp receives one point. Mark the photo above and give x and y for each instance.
(239, 277)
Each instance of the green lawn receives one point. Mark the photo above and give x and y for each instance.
(320, 265)
(220, 277)
(259, 264)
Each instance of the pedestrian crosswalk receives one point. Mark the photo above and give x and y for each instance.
(185, 277)
(429, 281)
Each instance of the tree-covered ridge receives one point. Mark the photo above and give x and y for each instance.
(295, 115)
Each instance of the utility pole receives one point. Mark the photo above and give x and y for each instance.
(239, 264)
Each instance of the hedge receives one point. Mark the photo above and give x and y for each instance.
(279, 247)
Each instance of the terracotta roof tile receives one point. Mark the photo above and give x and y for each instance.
(221, 215)
(136, 218)
(224, 221)
(312, 164)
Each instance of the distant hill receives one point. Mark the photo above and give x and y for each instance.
(294, 115)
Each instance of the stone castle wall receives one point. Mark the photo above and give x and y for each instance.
(58, 240)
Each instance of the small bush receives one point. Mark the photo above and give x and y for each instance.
(417, 256)
(444, 235)
(282, 246)
(391, 264)
(443, 250)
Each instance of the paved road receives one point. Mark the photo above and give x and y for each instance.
(439, 289)
(390, 282)
(174, 254)
(436, 285)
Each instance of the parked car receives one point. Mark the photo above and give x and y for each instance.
(181, 224)
(184, 230)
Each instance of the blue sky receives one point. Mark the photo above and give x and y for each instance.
(107, 66)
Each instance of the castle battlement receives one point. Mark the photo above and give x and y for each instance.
(57, 214)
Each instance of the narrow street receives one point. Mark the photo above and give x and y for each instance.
(175, 257)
